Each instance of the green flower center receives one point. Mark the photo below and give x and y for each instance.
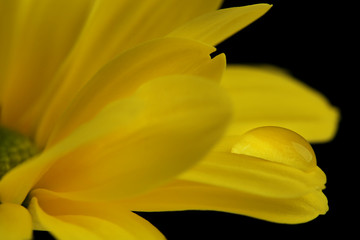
(14, 149)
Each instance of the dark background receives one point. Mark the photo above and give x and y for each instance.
(313, 41)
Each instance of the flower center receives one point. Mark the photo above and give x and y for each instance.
(14, 149)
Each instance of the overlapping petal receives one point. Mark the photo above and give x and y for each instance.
(68, 219)
(176, 127)
(270, 173)
(65, 36)
(255, 176)
(122, 76)
(266, 96)
(118, 127)
(16, 184)
(36, 37)
(184, 195)
(125, 116)
(15, 222)
(268, 161)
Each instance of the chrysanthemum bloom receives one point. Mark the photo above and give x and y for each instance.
(109, 107)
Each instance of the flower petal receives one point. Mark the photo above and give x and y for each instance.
(262, 177)
(214, 27)
(188, 55)
(15, 222)
(182, 118)
(266, 96)
(68, 219)
(16, 184)
(184, 195)
(36, 37)
(267, 161)
(126, 73)
(111, 27)
(61, 229)
(255, 176)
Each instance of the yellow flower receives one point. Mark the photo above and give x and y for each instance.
(107, 107)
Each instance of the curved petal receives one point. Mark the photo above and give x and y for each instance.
(262, 177)
(267, 96)
(255, 176)
(62, 229)
(214, 27)
(126, 73)
(268, 161)
(15, 222)
(111, 27)
(68, 219)
(184, 195)
(35, 38)
(16, 184)
(182, 118)
(126, 118)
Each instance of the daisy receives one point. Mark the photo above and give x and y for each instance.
(110, 107)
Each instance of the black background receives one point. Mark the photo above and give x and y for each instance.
(312, 39)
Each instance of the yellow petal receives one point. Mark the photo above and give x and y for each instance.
(61, 229)
(261, 178)
(15, 222)
(212, 70)
(214, 27)
(265, 96)
(183, 195)
(67, 219)
(111, 27)
(126, 73)
(182, 118)
(36, 37)
(255, 176)
(267, 161)
(16, 184)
